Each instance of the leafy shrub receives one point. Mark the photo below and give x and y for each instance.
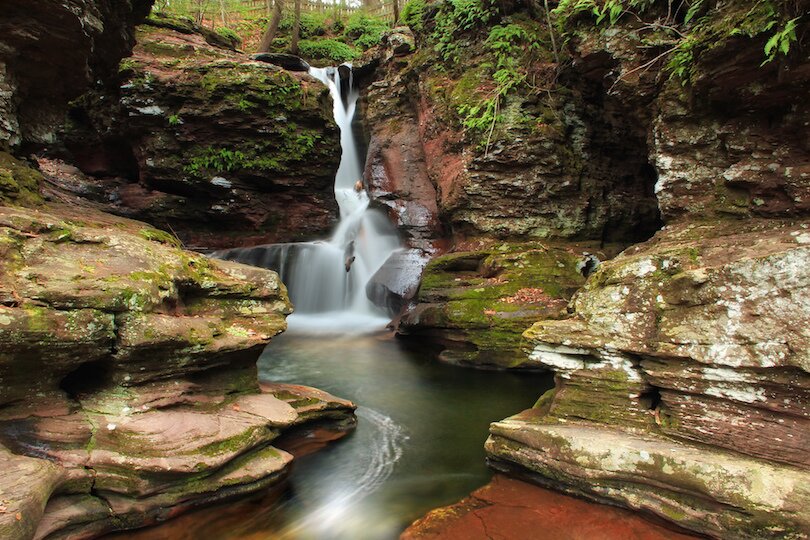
(780, 41)
(365, 30)
(330, 49)
(312, 24)
(412, 14)
(455, 17)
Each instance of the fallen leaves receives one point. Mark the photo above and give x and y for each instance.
(529, 296)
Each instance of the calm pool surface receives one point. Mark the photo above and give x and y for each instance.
(418, 442)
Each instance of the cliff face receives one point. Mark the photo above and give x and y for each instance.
(198, 138)
(128, 384)
(50, 52)
(682, 372)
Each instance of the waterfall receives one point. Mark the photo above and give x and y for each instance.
(327, 279)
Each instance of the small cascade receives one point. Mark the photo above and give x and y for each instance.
(327, 279)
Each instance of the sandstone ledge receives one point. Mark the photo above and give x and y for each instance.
(128, 383)
(706, 490)
(510, 508)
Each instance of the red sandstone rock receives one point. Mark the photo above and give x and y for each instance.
(511, 509)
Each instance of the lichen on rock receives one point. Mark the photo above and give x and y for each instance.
(142, 359)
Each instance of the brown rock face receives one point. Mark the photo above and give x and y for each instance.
(199, 139)
(682, 364)
(587, 178)
(50, 52)
(127, 369)
(509, 508)
(691, 346)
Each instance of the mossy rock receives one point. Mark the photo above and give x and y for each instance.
(19, 184)
(478, 304)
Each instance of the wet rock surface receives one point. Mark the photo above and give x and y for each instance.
(142, 360)
(510, 508)
(475, 305)
(199, 139)
(721, 494)
(691, 345)
(693, 342)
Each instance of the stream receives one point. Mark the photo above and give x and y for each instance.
(418, 443)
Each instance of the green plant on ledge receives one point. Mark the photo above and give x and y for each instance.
(509, 44)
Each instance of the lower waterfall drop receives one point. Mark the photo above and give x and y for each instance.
(327, 279)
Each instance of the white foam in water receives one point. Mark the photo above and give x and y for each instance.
(335, 323)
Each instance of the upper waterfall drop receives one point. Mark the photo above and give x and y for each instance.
(327, 279)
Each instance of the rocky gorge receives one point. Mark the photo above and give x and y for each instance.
(128, 383)
(618, 198)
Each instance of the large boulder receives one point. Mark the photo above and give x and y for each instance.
(474, 305)
(141, 357)
(688, 357)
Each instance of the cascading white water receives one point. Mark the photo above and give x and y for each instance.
(327, 279)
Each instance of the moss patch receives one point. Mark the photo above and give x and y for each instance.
(19, 184)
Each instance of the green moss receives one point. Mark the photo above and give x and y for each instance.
(544, 401)
(236, 444)
(327, 49)
(162, 237)
(19, 184)
(492, 296)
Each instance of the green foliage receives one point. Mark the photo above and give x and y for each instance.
(780, 41)
(365, 30)
(175, 120)
(601, 11)
(127, 65)
(312, 24)
(412, 14)
(703, 26)
(290, 146)
(692, 11)
(216, 159)
(681, 63)
(229, 34)
(456, 17)
(509, 44)
(327, 49)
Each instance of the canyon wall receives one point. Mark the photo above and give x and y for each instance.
(651, 225)
(194, 137)
(128, 381)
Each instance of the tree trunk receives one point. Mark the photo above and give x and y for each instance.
(222, 13)
(272, 29)
(396, 11)
(296, 30)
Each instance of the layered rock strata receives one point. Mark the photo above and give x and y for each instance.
(128, 378)
(50, 52)
(197, 138)
(681, 365)
(473, 306)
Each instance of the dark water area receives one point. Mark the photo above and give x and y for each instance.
(418, 443)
